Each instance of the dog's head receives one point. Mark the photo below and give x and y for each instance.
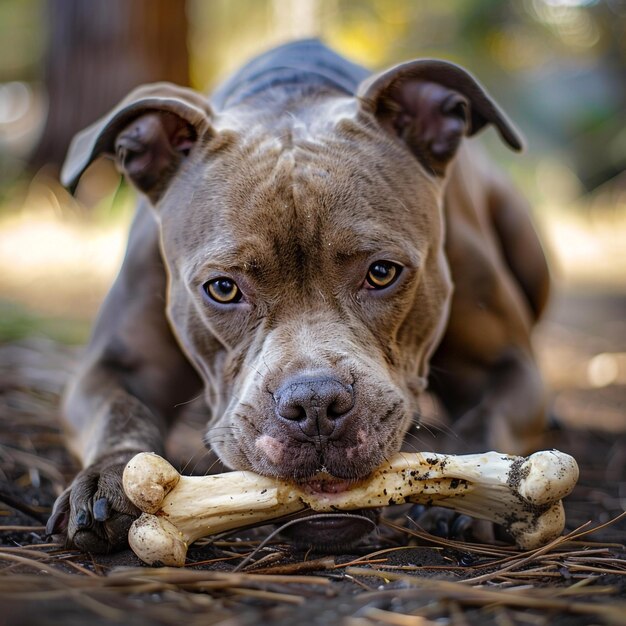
(307, 277)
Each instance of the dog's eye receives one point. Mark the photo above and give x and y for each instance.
(382, 274)
(222, 290)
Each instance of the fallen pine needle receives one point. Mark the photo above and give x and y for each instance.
(271, 596)
(508, 597)
(395, 619)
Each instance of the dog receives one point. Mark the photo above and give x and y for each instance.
(313, 247)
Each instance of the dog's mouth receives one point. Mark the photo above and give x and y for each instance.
(331, 532)
(327, 484)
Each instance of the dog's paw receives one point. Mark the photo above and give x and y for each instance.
(93, 513)
(449, 524)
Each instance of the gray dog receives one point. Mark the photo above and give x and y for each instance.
(308, 244)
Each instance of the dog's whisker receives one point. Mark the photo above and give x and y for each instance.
(438, 373)
(220, 432)
(210, 468)
(190, 401)
(188, 463)
(221, 436)
(212, 437)
(413, 436)
(433, 429)
(197, 457)
(254, 369)
(412, 447)
(267, 367)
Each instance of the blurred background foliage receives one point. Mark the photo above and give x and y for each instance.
(558, 67)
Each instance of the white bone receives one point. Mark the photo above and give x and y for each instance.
(522, 494)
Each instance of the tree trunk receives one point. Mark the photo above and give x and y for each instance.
(98, 50)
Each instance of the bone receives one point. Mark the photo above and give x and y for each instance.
(523, 494)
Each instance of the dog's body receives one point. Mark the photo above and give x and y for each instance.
(288, 256)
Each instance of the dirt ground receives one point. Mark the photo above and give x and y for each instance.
(399, 576)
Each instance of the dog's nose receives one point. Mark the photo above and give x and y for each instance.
(314, 403)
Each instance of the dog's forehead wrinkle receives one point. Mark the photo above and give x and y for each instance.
(296, 197)
(311, 115)
(271, 252)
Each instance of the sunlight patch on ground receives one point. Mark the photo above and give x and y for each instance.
(587, 249)
(56, 258)
(57, 267)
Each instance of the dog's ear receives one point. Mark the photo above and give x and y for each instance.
(431, 105)
(149, 133)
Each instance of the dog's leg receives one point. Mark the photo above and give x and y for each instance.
(512, 408)
(133, 376)
(488, 381)
(484, 370)
(511, 413)
(496, 407)
(520, 246)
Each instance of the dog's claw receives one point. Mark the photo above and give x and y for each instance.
(57, 523)
(461, 527)
(448, 524)
(83, 519)
(59, 518)
(101, 510)
(416, 511)
(442, 528)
